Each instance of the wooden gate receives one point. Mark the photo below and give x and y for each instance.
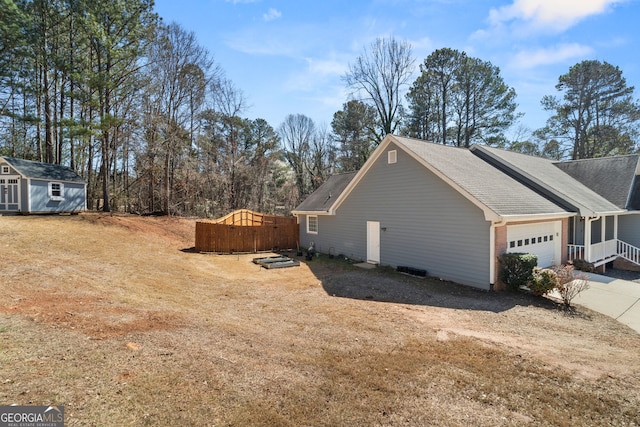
(247, 231)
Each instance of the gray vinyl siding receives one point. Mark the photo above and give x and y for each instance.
(74, 197)
(429, 225)
(629, 229)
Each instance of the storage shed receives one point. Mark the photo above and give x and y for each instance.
(36, 187)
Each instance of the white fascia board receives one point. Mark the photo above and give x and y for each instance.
(538, 217)
(296, 213)
(363, 170)
(489, 214)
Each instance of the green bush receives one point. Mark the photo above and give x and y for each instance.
(544, 281)
(517, 269)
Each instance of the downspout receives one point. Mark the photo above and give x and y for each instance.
(492, 251)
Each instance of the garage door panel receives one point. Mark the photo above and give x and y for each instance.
(540, 239)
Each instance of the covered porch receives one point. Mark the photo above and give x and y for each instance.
(595, 240)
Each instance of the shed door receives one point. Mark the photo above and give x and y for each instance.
(542, 239)
(9, 194)
(373, 242)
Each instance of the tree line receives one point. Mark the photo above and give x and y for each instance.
(142, 111)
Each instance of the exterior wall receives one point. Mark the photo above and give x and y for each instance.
(74, 198)
(579, 231)
(629, 228)
(424, 223)
(564, 258)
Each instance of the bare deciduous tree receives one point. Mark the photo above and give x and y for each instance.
(378, 77)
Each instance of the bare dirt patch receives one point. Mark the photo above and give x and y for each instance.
(116, 318)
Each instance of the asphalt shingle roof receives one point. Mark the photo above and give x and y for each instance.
(547, 177)
(493, 188)
(322, 199)
(45, 171)
(610, 177)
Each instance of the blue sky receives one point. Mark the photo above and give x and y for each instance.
(289, 56)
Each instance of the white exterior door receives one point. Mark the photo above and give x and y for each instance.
(9, 194)
(373, 242)
(543, 239)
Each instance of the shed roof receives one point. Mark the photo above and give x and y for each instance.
(323, 198)
(44, 171)
(611, 177)
(546, 178)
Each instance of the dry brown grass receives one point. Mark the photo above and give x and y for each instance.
(113, 318)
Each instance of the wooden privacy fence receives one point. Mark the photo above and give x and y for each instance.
(247, 231)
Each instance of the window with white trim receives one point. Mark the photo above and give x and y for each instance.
(392, 157)
(5, 170)
(56, 191)
(312, 224)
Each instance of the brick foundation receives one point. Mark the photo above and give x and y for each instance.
(623, 264)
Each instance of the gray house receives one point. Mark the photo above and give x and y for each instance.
(35, 187)
(454, 211)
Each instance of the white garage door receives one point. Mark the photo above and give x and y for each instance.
(542, 239)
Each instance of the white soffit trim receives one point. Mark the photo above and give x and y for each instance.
(296, 213)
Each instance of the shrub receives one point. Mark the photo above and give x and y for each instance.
(570, 283)
(583, 265)
(544, 281)
(517, 269)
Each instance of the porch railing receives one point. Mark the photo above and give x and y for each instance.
(604, 252)
(576, 252)
(629, 252)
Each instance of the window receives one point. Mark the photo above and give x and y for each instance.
(56, 191)
(392, 156)
(5, 170)
(312, 224)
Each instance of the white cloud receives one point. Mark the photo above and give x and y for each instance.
(272, 14)
(556, 15)
(326, 67)
(527, 59)
(317, 72)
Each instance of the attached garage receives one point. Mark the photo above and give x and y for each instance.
(542, 239)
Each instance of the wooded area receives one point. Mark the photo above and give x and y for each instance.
(142, 111)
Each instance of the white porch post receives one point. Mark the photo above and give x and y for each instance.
(587, 239)
(615, 227)
(603, 229)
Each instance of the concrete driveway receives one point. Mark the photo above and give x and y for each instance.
(613, 297)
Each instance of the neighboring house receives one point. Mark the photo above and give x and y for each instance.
(454, 211)
(34, 187)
